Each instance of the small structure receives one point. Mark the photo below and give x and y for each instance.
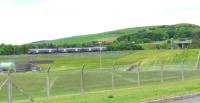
(183, 44)
(26, 67)
(7, 67)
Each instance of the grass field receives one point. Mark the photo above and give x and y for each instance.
(65, 76)
(91, 60)
(131, 95)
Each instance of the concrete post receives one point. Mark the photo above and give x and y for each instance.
(82, 79)
(48, 85)
(198, 61)
(113, 77)
(161, 73)
(138, 74)
(48, 82)
(182, 71)
(9, 88)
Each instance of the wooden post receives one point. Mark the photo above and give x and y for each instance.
(82, 79)
(9, 88)
(138, 74)
(113, 77)
(161, 73)
(182, 71)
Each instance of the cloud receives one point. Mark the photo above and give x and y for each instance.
(24, 2)
(33, 20)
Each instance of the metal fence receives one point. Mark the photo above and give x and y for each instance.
(46, 85)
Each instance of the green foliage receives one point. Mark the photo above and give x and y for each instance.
(22, 49)
(118, 39)
(160, 33)
(123, 46)
(196, 40)
(139, 34)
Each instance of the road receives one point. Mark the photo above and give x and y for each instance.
(190, 100)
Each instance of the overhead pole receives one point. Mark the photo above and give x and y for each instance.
(100, 54)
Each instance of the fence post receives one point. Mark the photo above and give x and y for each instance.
(198, 61)
(82, 79)
(9, 88)
(113, 77)
(138, 74)
(182, 71)
(161, 73)
(48, 82)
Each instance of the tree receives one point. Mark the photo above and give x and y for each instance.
(195, 40)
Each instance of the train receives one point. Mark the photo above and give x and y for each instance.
(66, 50)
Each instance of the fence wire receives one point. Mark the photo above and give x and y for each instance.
(28, 85)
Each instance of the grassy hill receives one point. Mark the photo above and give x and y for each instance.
(106, 36)
(138, 34)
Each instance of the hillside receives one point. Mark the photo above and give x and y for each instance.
(105, 36)
(147, 34)
(125, 58)
(160, 33)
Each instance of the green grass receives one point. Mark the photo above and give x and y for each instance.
(106, 36)
(65, 75)
(165, 30)
(68, 83)
(75, 61)
(131, 95)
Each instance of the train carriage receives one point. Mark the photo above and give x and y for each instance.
(66, 50)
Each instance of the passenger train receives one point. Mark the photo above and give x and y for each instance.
(66, 50)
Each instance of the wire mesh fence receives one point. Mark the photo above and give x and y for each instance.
(43, 85)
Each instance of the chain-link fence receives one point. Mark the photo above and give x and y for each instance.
(46, 85)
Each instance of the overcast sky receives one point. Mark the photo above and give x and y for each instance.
(24, 21)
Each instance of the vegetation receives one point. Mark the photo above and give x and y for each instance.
(160, 33)
(131, 95)
(136, 35)
(76, 60)
(21, 49)
(106, 36)
(196, 40)
(125, 39)
(65, 76)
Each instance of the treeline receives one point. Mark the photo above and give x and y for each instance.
(160, 33)
(23, 49)
(195, 41)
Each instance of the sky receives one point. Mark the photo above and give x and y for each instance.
(25, 21)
